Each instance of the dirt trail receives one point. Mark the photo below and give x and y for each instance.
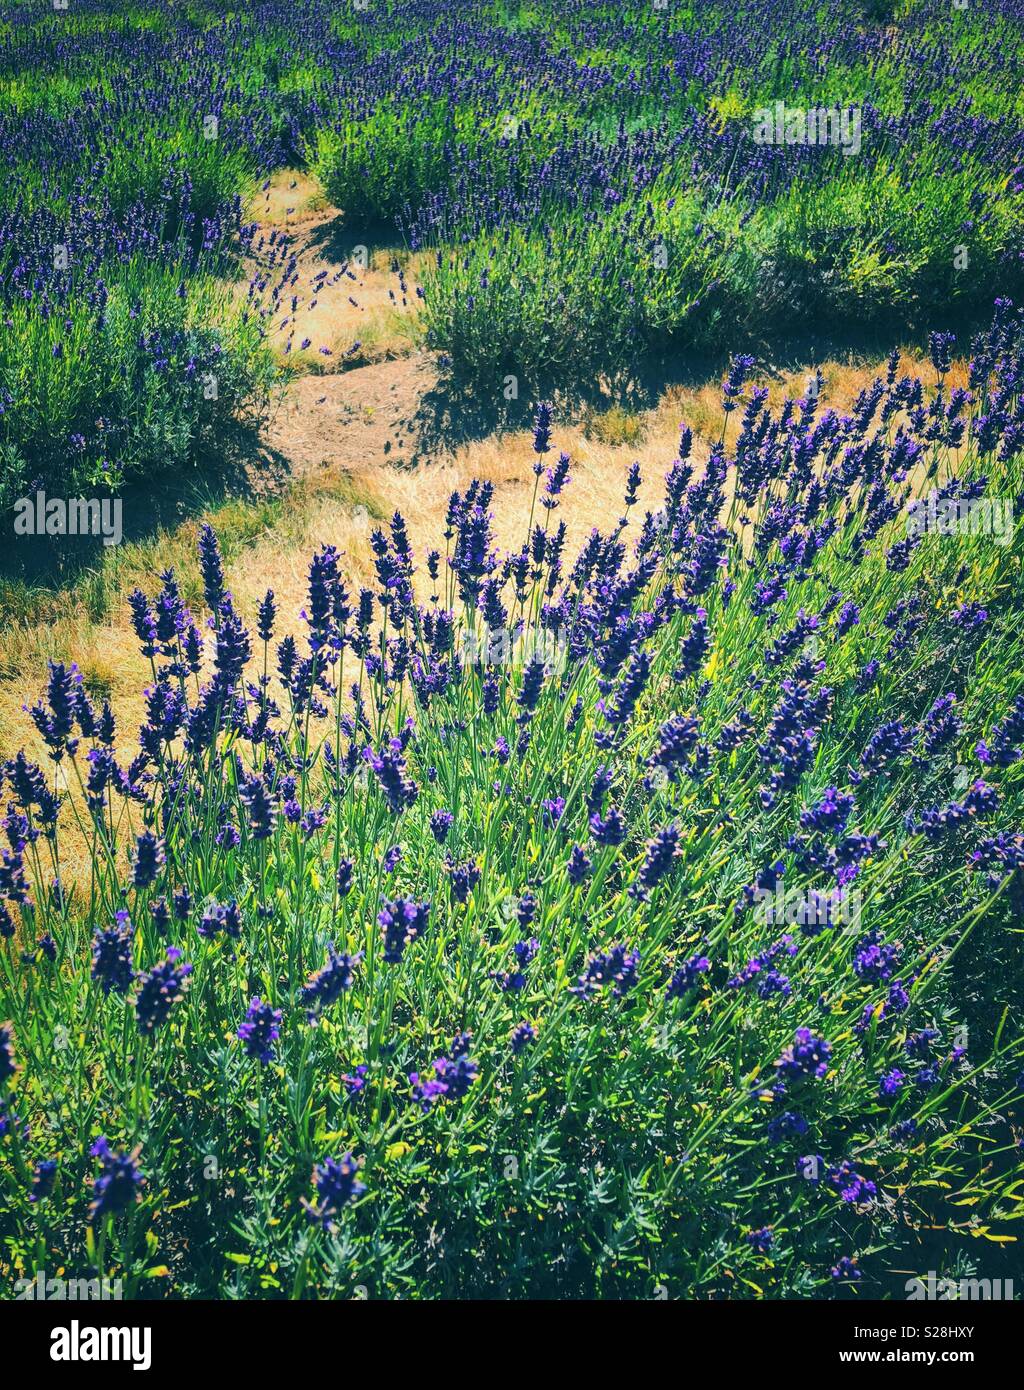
(346, 324)
(365, 418)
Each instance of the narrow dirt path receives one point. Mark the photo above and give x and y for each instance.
(364, 418)
(345, 322)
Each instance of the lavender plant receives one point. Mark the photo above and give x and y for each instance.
(670, 941)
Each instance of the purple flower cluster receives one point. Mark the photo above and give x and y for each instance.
(260, 1030)
(336, 1184)
(119, 1181)
(615, 968)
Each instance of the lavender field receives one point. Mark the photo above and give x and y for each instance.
(512, 654)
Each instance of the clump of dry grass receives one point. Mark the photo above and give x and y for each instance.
(615, 426)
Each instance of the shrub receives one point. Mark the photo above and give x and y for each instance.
(131, 385)
(639, 919)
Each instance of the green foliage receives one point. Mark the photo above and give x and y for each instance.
(105, 395)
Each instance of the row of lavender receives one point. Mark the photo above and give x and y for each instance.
(598, 184)
(643, 922)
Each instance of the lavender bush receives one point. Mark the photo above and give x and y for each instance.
(637, 922)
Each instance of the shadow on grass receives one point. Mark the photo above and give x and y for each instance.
(458, 411)
(451, 413)
(336, 240)
(241, 467)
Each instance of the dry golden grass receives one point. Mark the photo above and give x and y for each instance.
(364, 306)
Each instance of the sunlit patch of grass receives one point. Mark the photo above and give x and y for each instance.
(616, 426)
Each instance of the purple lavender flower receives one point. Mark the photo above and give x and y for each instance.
(848, 617)
(806, 1055)
(555, 481)
(399, 789)
(355, 1081)
(260, 1030)
(117, 1186)
(56, 720)
(542, 428)
(112, 955)
(874, 960)
(888, 743)
(143, 621)
(336, 1184)
(610, 829)
(256, 798)
(633, 481)
(890, 1083)
(43, 1179)
(523, 1036)
(940, 346)
(762, 1240)
(265, 616)
(687, 977)
(1006, 739)
(694, 649)
(786, 1125)
(221, 917)
(148, 860)
(919, 1044)
(529, 692)
(8, 1066)
(403, 921)
(619, 711)
(160, 989)
(526, 910)
(579, 866)
(463, 878)
(428, 1091)
(661, 853)
(616, 967)
(456, 1074)
(852, 1187)
(830, 814)
(866, 677)
(739, 370)
(322, 989)
(346, 870)
(161, 915)
(211, 568)
(940, 725)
